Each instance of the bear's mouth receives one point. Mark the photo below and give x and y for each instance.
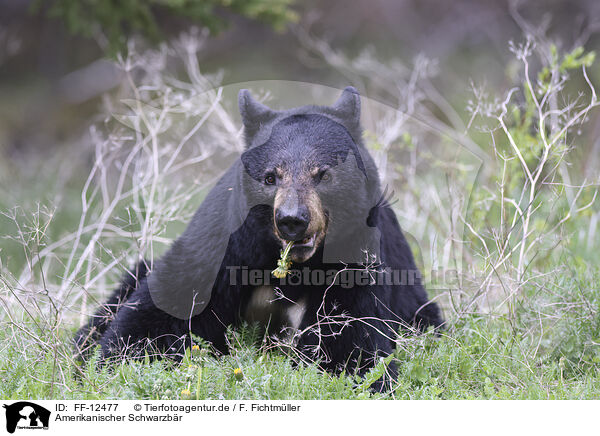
(304, 249)
(308, 242)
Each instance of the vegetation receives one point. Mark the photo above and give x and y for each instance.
(477, 358)
(116, 21)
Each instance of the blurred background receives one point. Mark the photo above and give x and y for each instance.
(52, 72)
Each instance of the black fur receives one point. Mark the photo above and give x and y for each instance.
(150, 307)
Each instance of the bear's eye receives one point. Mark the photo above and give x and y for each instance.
(324, 176)
(270, 179)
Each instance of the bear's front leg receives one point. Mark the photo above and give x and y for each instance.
(346, 329)
(140, 327)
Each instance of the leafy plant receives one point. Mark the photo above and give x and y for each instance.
(118, 20)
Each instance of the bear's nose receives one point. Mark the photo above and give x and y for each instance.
(292, 226)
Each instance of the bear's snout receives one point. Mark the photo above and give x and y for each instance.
(292, 223)
(298, 216)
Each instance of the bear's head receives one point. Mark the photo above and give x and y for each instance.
(310, 166)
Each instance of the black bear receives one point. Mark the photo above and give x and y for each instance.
(305, 182)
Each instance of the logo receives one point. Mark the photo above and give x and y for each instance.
(26, 415)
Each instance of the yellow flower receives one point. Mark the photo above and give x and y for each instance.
(195, 350)
(283, 264)
(186, 394)
(239, 375)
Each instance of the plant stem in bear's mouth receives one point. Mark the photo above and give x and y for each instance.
(283, 264)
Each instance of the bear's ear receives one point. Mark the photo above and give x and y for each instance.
(254, 114)
(347, 107)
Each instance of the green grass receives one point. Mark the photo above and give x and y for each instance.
(532, 354)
